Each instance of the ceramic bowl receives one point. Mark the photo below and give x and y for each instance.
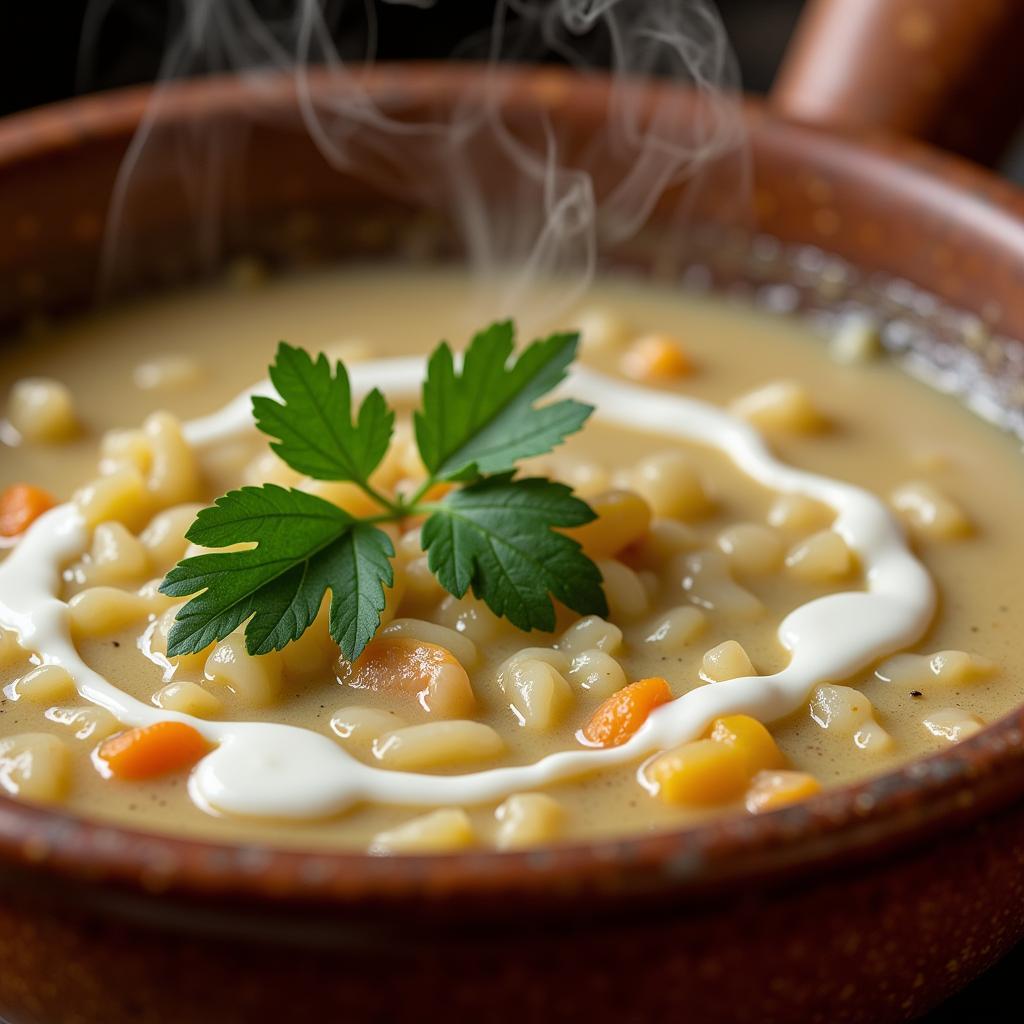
(868, 903)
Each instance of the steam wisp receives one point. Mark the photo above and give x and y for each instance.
(525, 204)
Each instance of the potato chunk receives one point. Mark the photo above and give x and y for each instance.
(42, 410)
(751, 548)
(665, 539)
(311, 655)
(124, 449)
(119, 496)
(35, 766)
(437, 832)
(821, 558)
(784, 406)
(597, 672)
(255, 679)
(99, 611)
(471, 618)
(174, 473)
(601, 331)
(537, 691)
(44, 684)
(591, 633)
(952, 724)
(170, 371)
(437, 745)
(622, 519)
(627, 596)
(461, 647)
(705, 577)
(668, 482)
(164, 535)
(358, 725)
(11, 652)
(116, 556)
(950, 668)
(528, 819)
(847, 712)
(189, 699)
(856, 341)
(928, 513)
(771, 790)
(796, 513)
(673, 632)
(726, 661)
(88, 722)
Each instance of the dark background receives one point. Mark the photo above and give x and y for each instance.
(39, 54)
(39, 63)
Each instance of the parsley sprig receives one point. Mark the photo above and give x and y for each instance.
(495, 533)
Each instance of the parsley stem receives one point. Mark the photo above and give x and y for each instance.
(395, 509)
(383, 517)
(421, 491)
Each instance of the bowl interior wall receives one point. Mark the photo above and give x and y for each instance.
(932, 245)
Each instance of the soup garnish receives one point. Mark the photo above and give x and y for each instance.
(483, 528)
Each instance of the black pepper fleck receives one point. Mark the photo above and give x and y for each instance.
(916, 693)
(116, 643)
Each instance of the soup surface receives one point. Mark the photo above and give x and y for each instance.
(703, 562)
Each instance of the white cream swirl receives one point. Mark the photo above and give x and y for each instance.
(274, 770)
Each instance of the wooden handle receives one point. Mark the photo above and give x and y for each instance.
(948, 71)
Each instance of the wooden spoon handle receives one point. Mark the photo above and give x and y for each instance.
(948, 71)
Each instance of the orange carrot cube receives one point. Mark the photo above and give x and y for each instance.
(20, 506)
(625, 711)
(153, 750)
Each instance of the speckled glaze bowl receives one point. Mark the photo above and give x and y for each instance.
(869, 903)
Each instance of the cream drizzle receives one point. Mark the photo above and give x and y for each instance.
(262, 769)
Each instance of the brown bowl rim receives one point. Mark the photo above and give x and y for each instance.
(912, 803)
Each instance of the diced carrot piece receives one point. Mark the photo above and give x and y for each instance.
(625, 711)
(656, 357)
(20, 506)
(153, 750)
(426, 671)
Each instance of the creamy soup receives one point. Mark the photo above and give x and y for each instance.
(808, 582)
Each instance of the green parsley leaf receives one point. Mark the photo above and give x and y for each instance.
(305, 546)
(496, 536)
(483, 420)
(313, 424)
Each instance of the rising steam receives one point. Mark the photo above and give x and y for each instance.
(526, 206)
